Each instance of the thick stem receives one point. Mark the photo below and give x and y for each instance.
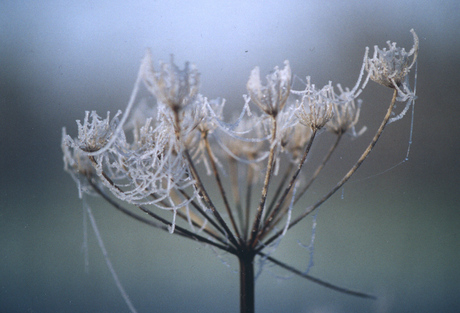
(246, 282)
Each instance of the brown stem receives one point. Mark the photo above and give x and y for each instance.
(207, 200)
(288, 188)
(277, 193)
(320, 167)
(221, 187)
(202, 212)
(236, 192)
(250, 180)
(261, 207)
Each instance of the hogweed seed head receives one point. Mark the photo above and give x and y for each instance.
(93, 135)
(391, 67)
(76, 161)
(173, 144)
(315, 108)
(346, 113)
(171, 86)
(272, 97)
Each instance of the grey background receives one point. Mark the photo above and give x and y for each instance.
(394, 235)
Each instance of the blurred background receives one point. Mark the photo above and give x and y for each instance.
(395, 235)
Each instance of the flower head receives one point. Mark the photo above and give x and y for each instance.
(75, 162)
(346, 113)
(172, 86)
(272, 97)
(315, 107)
(95, 134)
(391, 67)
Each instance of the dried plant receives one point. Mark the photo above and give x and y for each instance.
(155, 157)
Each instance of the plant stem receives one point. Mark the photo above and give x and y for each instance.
(221, 187)
(287, 190)
(320, 167)
(268, 174)
(247, 285)
(319, 281)
(207, 200)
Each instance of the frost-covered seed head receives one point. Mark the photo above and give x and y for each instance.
(172, 86)
(272, 97)
(315, 108)
(391, 67)
(213, 111)
(346, 113)
(75, 161)
(94, 135)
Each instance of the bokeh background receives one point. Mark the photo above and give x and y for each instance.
(395, 235)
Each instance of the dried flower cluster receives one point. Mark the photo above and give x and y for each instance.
(156, 156)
